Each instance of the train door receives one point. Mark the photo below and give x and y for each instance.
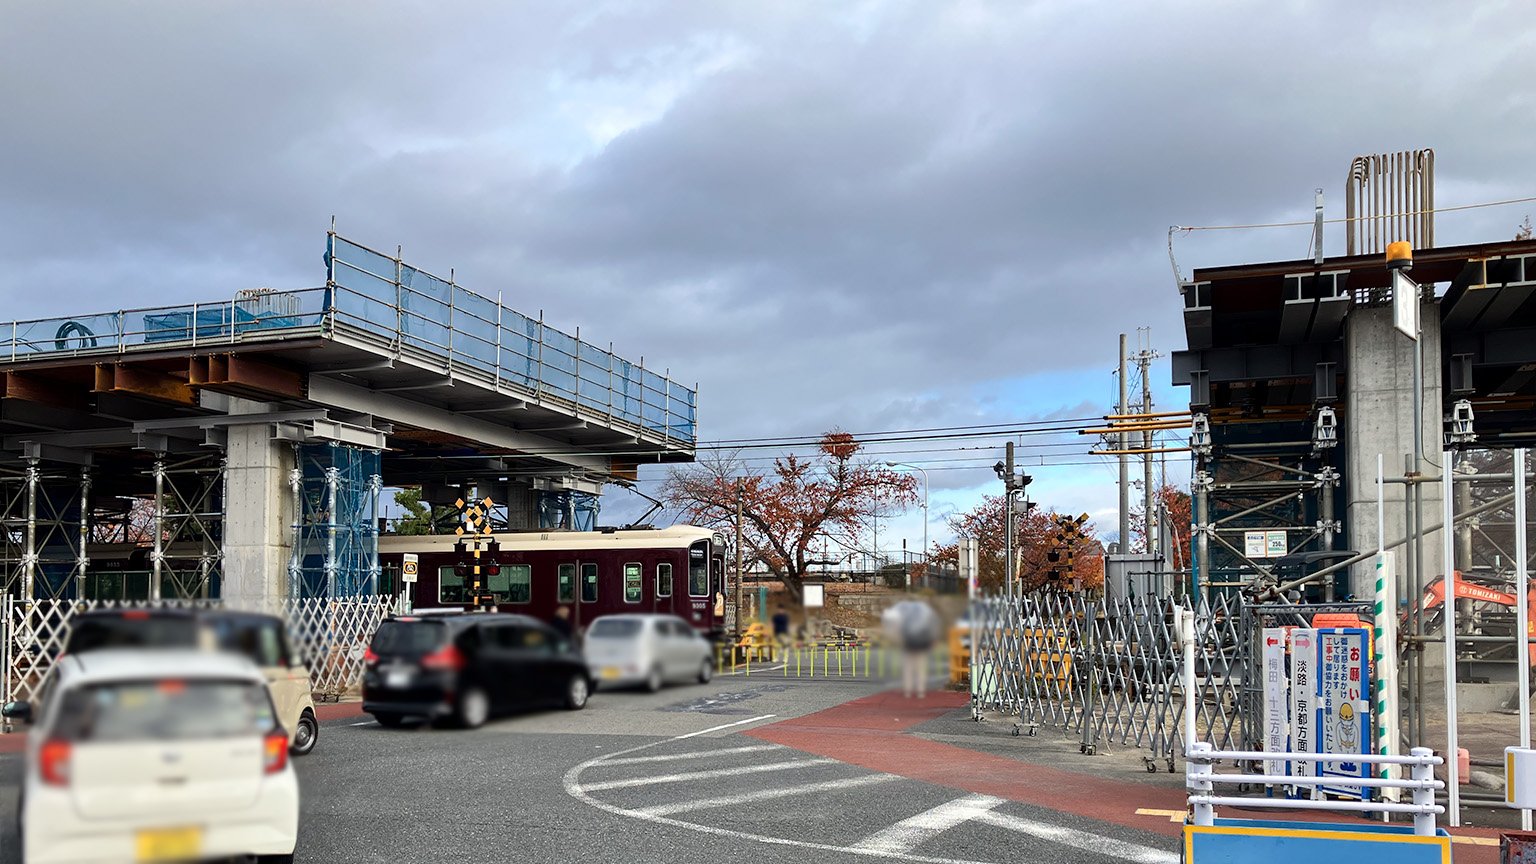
(717, 591)
(699, 595)
(661, 597)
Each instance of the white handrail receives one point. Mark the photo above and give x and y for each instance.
(1287, 780)
(1307, 804)
(1362, 758)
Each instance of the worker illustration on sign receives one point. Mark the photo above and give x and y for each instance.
(1348, 730)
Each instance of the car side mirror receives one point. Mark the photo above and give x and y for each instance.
(17, 711)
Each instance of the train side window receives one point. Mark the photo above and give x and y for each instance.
(589, 583)
(698, 569)
(519, 587)
(450, 586)
(634, 582)
(663, 580)
(566, 576)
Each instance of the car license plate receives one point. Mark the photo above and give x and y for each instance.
(169, 844)
(610, 672)
(397, 678)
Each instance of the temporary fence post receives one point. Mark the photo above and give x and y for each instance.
(1423, 774)
(1197, 773)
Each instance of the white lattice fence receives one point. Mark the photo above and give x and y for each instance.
(331, 635)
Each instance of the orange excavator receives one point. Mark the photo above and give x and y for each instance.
(1434, 598)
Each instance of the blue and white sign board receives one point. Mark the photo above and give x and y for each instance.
(1343, 704)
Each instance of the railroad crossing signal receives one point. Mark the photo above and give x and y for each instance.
(475, 528)
(1069, 530)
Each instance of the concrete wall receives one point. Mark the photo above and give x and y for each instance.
(1379, 420)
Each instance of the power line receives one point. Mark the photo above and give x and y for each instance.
(1310, 222)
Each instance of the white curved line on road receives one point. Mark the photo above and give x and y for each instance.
(573, 787)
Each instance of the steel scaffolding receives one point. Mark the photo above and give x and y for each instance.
(335, 533)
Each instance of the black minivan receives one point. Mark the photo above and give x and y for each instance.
(463, 668)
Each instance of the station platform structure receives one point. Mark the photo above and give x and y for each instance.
(239, 447)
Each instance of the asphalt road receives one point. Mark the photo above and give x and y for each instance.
(639, 777)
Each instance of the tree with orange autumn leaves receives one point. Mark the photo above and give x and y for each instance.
(1035, 537)
(790, 509)
(1175, 505)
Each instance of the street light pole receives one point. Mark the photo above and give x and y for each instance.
(925, 516)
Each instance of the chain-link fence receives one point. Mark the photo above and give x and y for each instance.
(331, 635)
(1108, 669)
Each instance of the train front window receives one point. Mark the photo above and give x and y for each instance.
(698, 569)
(634, 579)
(566, 576)
(589, 583)
(663, 580)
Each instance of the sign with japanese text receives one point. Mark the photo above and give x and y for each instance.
(1253, 544)
(1275, 709)
(1343, 703)
(1303, 697)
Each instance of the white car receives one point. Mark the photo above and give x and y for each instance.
(164, 755)
(649, 650)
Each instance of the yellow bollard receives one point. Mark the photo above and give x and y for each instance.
(839, 661)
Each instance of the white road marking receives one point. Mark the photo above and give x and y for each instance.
(698, 754)
(571, 781)
(763, 795)
(686, 776)
(1084, 840)
(908, 834)
(722, 726)
(364, 723)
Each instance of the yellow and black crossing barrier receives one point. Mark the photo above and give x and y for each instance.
(826, 659)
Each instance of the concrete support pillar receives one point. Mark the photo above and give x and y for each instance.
(258, 515)
(1379, 420)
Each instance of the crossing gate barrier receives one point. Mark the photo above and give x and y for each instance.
(825, 659)
(1108, 670)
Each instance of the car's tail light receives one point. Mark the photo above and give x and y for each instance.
(53, 762)
(274, 755)
(446, 657)
(370, 656)
(136, 615)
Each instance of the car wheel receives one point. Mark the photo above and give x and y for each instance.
(474, 708)
(576, 692)
(391, 721)
(305, 734)
(653, 680)
(706, 672)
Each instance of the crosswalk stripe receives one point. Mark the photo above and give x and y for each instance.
(685, 776)
(697, 754)
(910, 833)
(764, 795)
(1083, 840)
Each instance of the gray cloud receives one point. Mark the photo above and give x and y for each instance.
(824, 213)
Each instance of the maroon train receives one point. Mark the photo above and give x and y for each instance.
(678, 570)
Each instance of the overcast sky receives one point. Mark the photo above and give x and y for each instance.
(874, 215)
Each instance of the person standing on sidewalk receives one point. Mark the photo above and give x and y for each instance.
(914, 626)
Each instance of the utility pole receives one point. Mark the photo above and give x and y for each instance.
(740, 495)
(1008, 584)
(1149, 516)
(1013, 483)
(1125, 465)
